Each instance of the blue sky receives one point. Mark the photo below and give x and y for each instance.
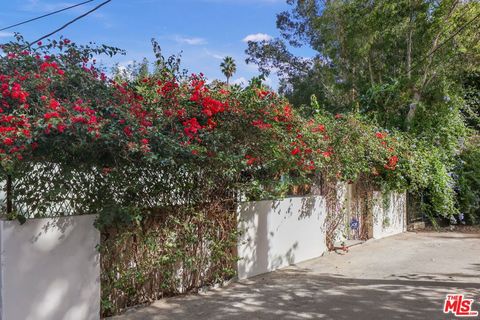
(205, 30)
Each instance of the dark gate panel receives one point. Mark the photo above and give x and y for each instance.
(414, 208)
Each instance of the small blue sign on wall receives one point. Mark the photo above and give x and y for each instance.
(354, 224)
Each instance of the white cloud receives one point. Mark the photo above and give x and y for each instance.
(241, 81)
(215, 55)
(124, 68)
(190, 41)
(257, 37)
(124, 65)
(5, 34)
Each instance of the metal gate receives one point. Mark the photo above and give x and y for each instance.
(414, 208)
(359, 209)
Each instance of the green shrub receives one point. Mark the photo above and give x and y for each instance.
(468, 181)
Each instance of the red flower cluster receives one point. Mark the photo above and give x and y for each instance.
(296, 151)
(211, 106)
(137, 115)
(381, 135)
(392, 163)
(191, 127)
(261, 124)
(319, 128)
(250, 160)
(13, 91)
(46, 66)
(13, 130)
(392, 160)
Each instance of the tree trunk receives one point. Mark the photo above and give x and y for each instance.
(370, 71)
(413, 107)
(417, 89)
(416, 95)
(409, 51)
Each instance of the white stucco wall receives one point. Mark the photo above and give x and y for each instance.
(50, 269)
(277, 233)
(389, 214)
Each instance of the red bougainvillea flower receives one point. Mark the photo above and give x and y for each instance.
(168, 113)
(8, 141)
(54, 104)
(128, 131)
(262, 94)
(195, 96)
(296, 151)
(191, 127)
(181, 113)
(212, 106)
(287, 111)
(381, 135)
(327, 154)
(79, 119)
(61, 127)
(261, 124)
(26, 133)
(250, 160)
(50, 115)
(17, 93)
(392, 163)
(211, 124)
(319, 128)
(310, 166)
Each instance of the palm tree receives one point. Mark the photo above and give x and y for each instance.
(228, 67)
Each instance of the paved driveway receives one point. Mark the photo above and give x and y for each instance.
(401, 277)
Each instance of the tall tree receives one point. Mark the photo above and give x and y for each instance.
(408, 64)
(228, 67)
(393, 59)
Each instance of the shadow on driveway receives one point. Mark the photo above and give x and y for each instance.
(406, 276)
(298, 294)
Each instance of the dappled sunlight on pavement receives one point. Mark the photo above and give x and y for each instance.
(401, 277)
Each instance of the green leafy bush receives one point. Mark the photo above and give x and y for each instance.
(468, 181)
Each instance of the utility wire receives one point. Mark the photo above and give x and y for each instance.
(69, 23)
(46, 15)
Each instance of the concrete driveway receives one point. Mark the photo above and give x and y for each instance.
(401, 277)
